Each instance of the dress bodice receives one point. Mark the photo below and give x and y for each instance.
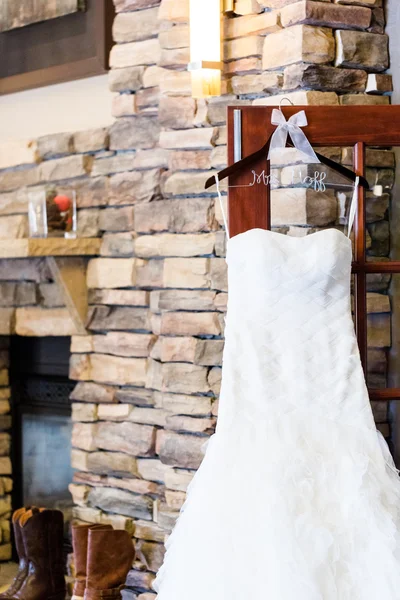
(290, 339)
(301, 274)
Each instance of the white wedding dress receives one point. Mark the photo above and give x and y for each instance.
(297, 497)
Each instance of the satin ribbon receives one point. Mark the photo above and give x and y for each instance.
(291, 127)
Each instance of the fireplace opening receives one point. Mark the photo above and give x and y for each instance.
(41, 440)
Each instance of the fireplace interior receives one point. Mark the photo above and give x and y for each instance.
(41, 441)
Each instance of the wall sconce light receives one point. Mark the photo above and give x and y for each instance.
(205, 47)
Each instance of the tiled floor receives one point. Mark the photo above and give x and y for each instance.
(7, 574)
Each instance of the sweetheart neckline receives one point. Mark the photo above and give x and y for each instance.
(290, 237)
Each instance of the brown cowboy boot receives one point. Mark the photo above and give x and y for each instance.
(43, 536)
(80, 535)
(23, 562)
(110, 557)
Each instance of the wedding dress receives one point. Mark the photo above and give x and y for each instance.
(297, 497)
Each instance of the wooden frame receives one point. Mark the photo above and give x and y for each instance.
(357, 126)
(62, 31)
(15, 15)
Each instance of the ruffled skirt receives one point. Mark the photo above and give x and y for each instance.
(303, 508)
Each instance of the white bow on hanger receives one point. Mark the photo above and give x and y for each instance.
(292, 128)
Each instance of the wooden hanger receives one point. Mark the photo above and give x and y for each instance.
(263, 152)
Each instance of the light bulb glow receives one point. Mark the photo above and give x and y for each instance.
(205, 47)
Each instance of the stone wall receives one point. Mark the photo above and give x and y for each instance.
(149, 369)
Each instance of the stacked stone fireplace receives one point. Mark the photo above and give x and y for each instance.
(148, 370)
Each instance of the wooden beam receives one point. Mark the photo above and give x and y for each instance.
(392, 266)
(70, 275)
(386, 394)
(27, 247)
(327, 125)
(360, 287)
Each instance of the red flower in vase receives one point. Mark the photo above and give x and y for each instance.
(63, 203)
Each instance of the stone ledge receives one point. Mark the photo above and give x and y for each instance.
(22, 248)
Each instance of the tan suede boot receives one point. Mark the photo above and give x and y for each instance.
(43, 537)
(110, 557)
(80, 534)
(23, 562)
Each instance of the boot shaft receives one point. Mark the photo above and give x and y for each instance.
(19, 542)
(80, 535)
(43, 536)
(110, 557)
(23, 562)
